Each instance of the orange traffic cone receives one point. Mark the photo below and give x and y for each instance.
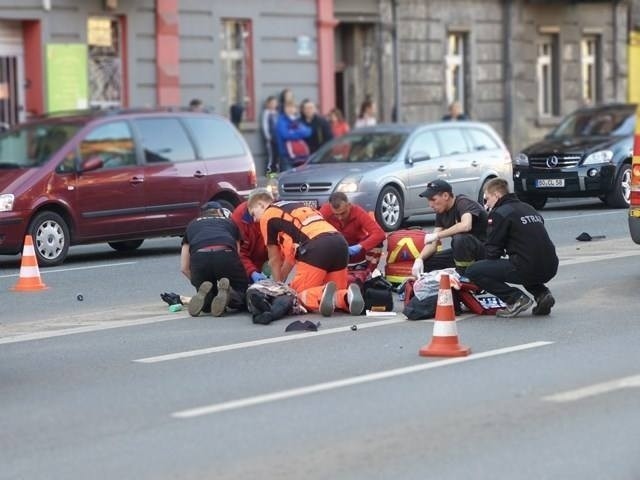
(444, 342)
(29, 280)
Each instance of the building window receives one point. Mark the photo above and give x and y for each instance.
(455, 62)
(237, 69)
(590, 49)
(105, 62)
(547, 76)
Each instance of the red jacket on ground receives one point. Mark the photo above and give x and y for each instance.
(253, 251)
(359, 228)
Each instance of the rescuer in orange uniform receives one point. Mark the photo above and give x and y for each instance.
(362, 232)
(297, 235)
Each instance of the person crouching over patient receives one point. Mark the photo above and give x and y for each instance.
(209, 259)
(362, 232)
(298, 236)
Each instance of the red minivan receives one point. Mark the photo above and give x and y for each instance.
(116, 176)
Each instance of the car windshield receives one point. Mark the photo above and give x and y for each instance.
(31, 145)
(597, 123)
(362, 147)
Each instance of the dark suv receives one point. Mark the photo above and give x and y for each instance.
(587, 155)
(116, 176)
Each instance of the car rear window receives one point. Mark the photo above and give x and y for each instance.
(164, 140)
(482, 140)
(452, 141)
(215, 137)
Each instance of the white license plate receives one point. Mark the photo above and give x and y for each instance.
(550, 182)
(308, 203)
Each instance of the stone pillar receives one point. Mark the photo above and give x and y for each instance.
(167, 53)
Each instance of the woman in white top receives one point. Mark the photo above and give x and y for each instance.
(367, 117)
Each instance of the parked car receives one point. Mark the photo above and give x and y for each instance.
(385, 168)
(587, 155)
(117, 176)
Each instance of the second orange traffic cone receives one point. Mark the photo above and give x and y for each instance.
(29, 280)
(444, 342)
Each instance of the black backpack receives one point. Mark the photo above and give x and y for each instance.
(377, 295)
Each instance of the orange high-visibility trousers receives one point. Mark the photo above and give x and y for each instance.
(309, 283)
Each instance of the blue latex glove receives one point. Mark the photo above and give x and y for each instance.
(355, 249)
(257, 276)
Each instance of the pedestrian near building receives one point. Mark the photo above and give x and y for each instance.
(268, 122)
(209, 259)
(252, 251)
(367, 115)
(458, 217)
(339, 126)
(196, 105)
(320, 128)
(297, 235)
(455, 113)
(291, 132)
(517, 229)
(362, 232)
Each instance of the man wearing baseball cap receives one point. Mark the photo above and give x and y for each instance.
(459, 218)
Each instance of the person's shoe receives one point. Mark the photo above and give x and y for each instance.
(355, 300)
(221, 300)
(516, 308)
(196, 304)
(544, 304)
(327, 301)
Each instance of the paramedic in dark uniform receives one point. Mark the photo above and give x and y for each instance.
(458, 217)
(517, 229)
(210, 260)
(298, 236)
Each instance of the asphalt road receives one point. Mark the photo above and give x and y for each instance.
(117, 387)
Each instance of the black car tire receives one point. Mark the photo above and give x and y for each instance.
(126, 245)
(389, 209)
(619, 196)
(536, 201)
(51, 238)
(226, 205)
(481, 191)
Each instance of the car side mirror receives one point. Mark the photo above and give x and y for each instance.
(92, 163)
(418, 157)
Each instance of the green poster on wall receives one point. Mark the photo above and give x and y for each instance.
(67, 84)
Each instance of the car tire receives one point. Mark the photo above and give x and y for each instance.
(389, 209)
(51, 238)
(126, 246)
(619, 196)
(536, 201)
(481, 191)
(227, 205)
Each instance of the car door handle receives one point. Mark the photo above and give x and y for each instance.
(136, 180)
(474, 163)
(198, 174)
(442, 168)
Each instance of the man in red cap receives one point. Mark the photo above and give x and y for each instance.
(459, 218)
(362, 232)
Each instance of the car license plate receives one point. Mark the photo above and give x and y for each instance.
(308, 203)
(549, 182)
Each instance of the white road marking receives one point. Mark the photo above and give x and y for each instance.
(263, 341)
(62, 270)
(582, 216)
(91, 328)
(599, 258)
(346, 382)
(596, 389)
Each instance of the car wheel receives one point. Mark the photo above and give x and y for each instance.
(619, 196)
(125, 246)
(226, 205)
(481, 191)
(389, 209)
(50, 238)
(536, 201)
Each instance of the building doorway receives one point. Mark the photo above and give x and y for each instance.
(11, 74)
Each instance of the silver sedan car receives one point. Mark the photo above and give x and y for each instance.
(385, 168)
